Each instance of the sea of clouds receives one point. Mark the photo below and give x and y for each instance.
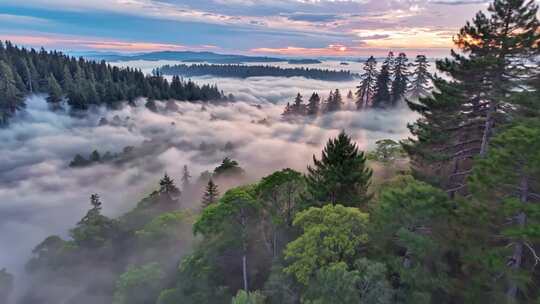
(41, 195)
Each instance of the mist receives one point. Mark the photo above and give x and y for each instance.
(40, 195)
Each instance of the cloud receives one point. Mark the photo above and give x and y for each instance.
(322, 18)
(41, 195)
(22, 19)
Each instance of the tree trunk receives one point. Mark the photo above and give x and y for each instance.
(517, 254)
(488, 126)
(244, 271)
(244, 251)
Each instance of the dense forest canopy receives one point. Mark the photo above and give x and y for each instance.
(83, 83)
(245, 71)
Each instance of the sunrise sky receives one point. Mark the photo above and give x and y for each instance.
(257, 27)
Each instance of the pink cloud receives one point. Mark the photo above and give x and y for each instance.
(79, 43)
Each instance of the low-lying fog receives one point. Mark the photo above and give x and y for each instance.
(41, 195)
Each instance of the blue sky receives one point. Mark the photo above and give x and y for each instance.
(263, 27)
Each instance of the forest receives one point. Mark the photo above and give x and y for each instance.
(245, 71)
(460, 224)
(83, 83)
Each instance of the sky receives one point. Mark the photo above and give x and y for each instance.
(309, 28)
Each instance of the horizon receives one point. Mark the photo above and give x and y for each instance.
(284, 28)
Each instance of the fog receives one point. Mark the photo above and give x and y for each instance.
(41, 195)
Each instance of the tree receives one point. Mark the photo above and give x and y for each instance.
(243, 297)
(387, 151)
(411, 230)
(94, 230)
(228, 168)
(506, 182)
(365, 283)
(366, 89)
(350, 95)
(331, 234)
(55, 91)
(211, 194)
(139, 285)
(382, 97)
(314, 104)
(10, 96)
(420, 83)
(459, 122)
(334, 101)
(341, 175)
(167, 187)
(186, 178)
(401, 79)
(298, 107)
(95, 156)
(280, 194)
(231, 214)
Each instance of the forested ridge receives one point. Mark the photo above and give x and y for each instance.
(462, 225)
(245, 71)
(83, 83)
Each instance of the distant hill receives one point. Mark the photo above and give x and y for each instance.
(304, 61)
(186, 56)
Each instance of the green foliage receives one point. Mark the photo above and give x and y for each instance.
(387, 150)
(166, 226)
(341, 175)
(139, 285)
(211, 194)
(94, 229)
(411, 228)
(243, 297)
(382, 97)
(331, 234)
(366, 89)
(228, 168)
(337, 284)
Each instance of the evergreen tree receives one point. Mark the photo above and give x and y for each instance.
(298, 107)
(167, 187)
(95, 156)
(420, 84)
(334, 102)
(366, 89)
(10, 96)
(479, 98)
(94, 230)
(506, 182)
(401, 79)
(350, 95)
(382, 97)
(186, 178)
(341, 176)
(211, 194)
(54, 90)
(314, 104)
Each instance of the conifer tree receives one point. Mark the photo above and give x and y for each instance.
(298, 107)
(479, 98)
(10, 96)
(341, 176)
(211, 194)
(335, 101)
(420, 83)
(186, 178)
(366, 89)
(382, 97)
(54, 90)
(401, 79)
(506, 183)
(350, 95)
(314, 104)
(167, 187)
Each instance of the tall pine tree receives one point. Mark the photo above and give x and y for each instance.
(382, 97)
(366, 89)
(401, 79)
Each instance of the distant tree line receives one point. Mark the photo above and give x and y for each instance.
(83, 83)
(389, 86)
(245, 71)
(315, 105)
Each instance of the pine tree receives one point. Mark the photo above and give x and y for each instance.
(420, 84)
(298, 107)
(314, 104)
(401, 79)
(334, 102)
(167, 187)
(54, 90)
(341, 176)
(479, 99)
(350, 95)
(211, 194)
(366, 89)
(186, 178)
(506, 183)
(11, 98)
(382, 97)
